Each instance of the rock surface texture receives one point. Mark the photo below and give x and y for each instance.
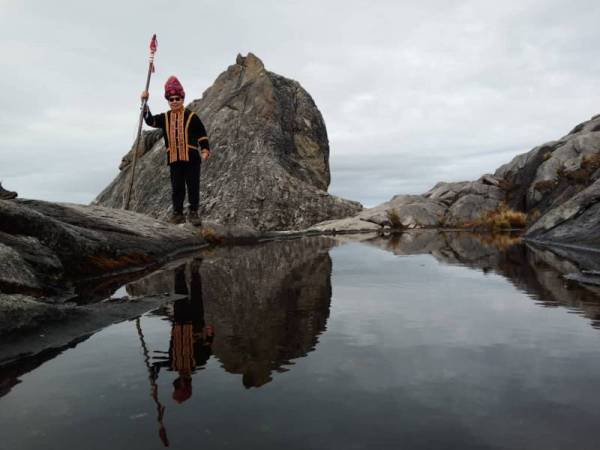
(557, 184)
(52, 253)
(454, 205)
(269, 166)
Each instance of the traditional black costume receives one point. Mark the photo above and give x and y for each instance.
(185, 136)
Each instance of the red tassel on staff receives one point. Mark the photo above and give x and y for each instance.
(153, 44)
(153, 47)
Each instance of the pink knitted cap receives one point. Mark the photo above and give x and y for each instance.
(173, 87)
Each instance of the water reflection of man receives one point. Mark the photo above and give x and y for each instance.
(191, 337)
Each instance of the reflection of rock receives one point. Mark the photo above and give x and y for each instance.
(20, 312)
(62, 325)
(474, 250)
(268, 303)
(538, 272)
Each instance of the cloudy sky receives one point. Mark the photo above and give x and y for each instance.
(412, 92)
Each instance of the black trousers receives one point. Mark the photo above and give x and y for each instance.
(184, 175)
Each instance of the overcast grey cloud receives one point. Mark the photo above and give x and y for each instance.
(412, 92)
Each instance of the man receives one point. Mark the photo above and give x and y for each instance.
(187, 146)
(6, 195)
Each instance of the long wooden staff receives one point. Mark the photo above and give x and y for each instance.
(153, 46)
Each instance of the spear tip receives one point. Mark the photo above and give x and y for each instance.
(153, 43)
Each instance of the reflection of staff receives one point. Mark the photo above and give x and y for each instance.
(160, 409)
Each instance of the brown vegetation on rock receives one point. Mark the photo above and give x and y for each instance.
(533, 216)
(583, 175)
(394, 219)
(544, 185)
(591, 162)
(112, 263)
(502, 218)
(210, 236)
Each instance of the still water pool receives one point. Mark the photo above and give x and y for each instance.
(427, 341)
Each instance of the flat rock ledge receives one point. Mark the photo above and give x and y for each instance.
(47, 248)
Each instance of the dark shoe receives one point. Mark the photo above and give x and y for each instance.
(177, 218)
(6, 195)
(194, 219)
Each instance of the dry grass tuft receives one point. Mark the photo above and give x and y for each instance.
(544, 185)
(579, 176)
(110, 263)
(533, 216)
(394, 218)
(210, 236)
(502, 218)
(506, 185)
(591, 162)
(582, 176)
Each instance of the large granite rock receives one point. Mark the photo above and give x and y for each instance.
(574, 222)
(557, 184)
(269, 167)
(414, 211)
(552, 173)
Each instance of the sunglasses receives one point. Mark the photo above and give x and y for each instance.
(174, 99)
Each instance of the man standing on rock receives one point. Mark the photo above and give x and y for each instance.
(187, 146)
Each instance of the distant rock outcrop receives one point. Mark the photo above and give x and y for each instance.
(556, 184)
(269, 168)
(453, 205)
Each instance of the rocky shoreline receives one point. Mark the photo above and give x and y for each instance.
(30, 325)
(267, 180)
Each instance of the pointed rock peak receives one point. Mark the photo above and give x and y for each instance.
(250, 61)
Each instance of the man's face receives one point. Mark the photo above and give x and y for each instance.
(175, 102)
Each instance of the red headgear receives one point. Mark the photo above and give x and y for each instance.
(173, 87)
